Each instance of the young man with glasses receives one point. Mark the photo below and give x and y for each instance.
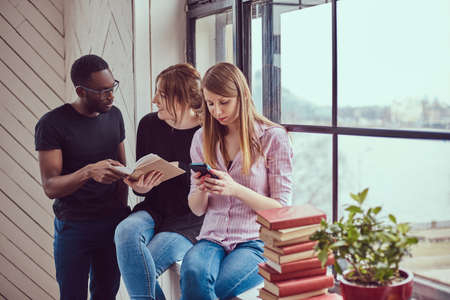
(78, 144)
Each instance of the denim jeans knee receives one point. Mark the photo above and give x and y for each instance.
(200, 269)
(133, 225)
(143, 255)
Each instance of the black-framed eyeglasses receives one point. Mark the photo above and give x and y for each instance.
(102, 93)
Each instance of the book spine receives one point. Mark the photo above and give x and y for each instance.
(297, 286)
(297, 222)
(298, 247)
(309, 263)
(276, 277)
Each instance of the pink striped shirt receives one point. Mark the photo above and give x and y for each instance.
(229, 221)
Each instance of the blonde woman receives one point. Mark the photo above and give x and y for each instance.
(162, 228)
(252, 158)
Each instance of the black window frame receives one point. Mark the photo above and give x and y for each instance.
(271, 94)
(242, 10)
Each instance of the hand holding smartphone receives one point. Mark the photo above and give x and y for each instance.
(202, 168)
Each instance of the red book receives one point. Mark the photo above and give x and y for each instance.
(289, 216)
(266, 295)
(271, 241)
(327, 297)
(304, 264)
(272, 275)
(282, 259)
(301, 285)
(284, 250)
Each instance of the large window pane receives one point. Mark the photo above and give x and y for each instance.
(312, 178)
(213, 40)
(306, 65)
(256, 54)
(410, 179)
(394, 64)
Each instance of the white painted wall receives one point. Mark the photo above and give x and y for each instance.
(168, 35)
(142, 61)
(39, 40)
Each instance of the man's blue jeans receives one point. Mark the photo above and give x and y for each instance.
(143, 256)
(82, 248)
(208, 272)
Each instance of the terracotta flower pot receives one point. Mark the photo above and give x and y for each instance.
(396, 291)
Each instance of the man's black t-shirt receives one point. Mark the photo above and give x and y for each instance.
(83, 140)
(167, 203)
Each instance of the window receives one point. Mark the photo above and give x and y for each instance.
(363, 88)
(394, 73)
(305, 66)
(213, 40)
(313, 176)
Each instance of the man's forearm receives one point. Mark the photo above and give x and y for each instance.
(63, 185)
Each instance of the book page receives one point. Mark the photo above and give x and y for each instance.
(125, 170)
(168, 169)
(151, 162)
(149, 158)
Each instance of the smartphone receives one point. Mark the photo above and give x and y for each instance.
(202, 168)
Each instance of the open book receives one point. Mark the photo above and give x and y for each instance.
(152, 162)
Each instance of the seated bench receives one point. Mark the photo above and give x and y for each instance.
(170, 284)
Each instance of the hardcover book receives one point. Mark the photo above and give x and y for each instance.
(266, 295)
(327, 297)
(290, 216)
(289, 249)
(272, 275)
(299, 285)
(281, 259)
(270, 241)
(151, 162)
(290, 233)
(304, 264)
(314, 295)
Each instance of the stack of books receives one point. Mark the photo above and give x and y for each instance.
(292, 270)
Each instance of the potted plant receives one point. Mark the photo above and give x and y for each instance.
(372, 248)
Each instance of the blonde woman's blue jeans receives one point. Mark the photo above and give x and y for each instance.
(209, 272)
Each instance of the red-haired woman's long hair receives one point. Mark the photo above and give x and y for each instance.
(181, 85)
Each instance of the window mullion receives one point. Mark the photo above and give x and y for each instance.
(271, 66)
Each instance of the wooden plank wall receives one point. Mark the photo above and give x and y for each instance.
(104, 28)
(32, 81)
(39, 40)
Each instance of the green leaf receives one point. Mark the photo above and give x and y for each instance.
(403, 228)
(323, 256)
(392, 218)
(354, 209)
(352, 234)
(337, 267)
(391, 236)
(412, 240)
(376, 210)
(355, 197)
(338, 244)
(363, 195)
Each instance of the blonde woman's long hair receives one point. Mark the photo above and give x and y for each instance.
(181, 85)
(227, 80)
